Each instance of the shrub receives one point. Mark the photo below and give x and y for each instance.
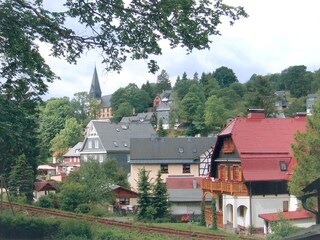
(70, 228)
(83, 208)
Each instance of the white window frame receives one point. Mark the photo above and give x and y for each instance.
(90, 144)
(96, 143)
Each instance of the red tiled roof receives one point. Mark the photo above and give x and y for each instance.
(182, 182)
(262, 143)
(292, 215)
(44, 186)
(262, 169)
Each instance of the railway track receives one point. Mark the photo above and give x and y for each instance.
(36, 211)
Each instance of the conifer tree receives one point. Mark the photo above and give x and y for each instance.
(160, 198)
(144, 194)
(21, 179)
(161, 131)
(307, 152)
(202, 221)
(214, 215)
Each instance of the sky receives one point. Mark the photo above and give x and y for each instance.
(276, 35)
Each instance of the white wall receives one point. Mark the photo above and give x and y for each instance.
(267, 204)
(184, 208)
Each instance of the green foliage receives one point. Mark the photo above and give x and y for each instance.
(21, 179)
(296, 105)
(163, 82)
(260, 95)
(202, 221)
(29, 228)
(161, 132)
(297, 80)
(214, 215)
(215, 113)
(160, 201)
(69, 136)
(52, 119)
(225, 76)
(306, 151)
(282, 228)
(91, 185)
(144, 194)
(71, 229)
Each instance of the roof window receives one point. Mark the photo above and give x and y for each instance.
(181, 150)
(283, 166)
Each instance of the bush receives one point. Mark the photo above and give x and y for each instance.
(98, 210)
(71, 228)
(83, 208)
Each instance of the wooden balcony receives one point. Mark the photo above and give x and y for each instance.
(208, 217)
(224, 187)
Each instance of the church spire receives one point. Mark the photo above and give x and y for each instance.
(95, 90)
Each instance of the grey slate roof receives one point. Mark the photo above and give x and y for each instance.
(141, 117)
(116, 137)
(75, 151)
(105, 101)
(169, 150)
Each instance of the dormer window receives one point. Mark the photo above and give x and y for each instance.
(181, 150)
(228, 146)
(283, 166)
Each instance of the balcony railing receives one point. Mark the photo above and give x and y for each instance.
(225, 187)
(208, 217)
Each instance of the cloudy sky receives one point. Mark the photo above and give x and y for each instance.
(277, 34)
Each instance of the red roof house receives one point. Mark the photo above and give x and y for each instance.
(250, 167)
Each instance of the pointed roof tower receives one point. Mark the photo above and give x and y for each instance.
(95, 90)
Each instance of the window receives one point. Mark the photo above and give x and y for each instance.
(164, 168)
(241, 211)
(283, 166)
(124, 201)
(89, 144)
(96, 144)
(228, 146)
(100, 158)
(186, 168)
(285, 206)
(85, 158)
(223, 172)
(235, 173)
(181, 149)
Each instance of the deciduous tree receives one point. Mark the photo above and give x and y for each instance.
(306, 152)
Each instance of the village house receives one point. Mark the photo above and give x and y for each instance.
(110, 140)
(176, 158)
(250, 167)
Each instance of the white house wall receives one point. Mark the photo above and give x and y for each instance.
(236, 202)
(266, 204)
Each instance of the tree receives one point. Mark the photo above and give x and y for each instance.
(160, 201)
(215, 114)
(149, 88)
(202, 221)
(296, 105)
(160, 130)
(189, 106)
(116, 28)
(144, 193)
(163, 82)
(214, 215)
(21, 179)
(92, 184)
(124, 110)
(260, 95)
(225, 76)
(297, 80)
(306, 152)
(52, 118)
(69, 136)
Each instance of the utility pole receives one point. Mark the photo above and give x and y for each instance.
(4, 186)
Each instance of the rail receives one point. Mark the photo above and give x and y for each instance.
(224, 187)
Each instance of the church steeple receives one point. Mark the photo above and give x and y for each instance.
(95, 90)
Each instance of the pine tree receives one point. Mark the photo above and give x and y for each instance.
(202, 216)
(307, 152)
(144, 194)
(21, 179)
(160, 198)
(161, 131)
(214, 215)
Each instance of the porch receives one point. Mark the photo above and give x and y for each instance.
(224, 187)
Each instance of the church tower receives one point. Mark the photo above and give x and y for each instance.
(95, 90)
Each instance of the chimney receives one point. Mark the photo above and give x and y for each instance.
(256, 113)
